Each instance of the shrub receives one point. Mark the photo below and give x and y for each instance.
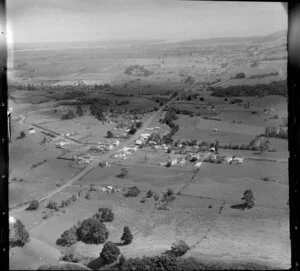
(155, 196)
(52, 205)
(109, 134)
(22, 135)
(68, 237)
(69, 115)
(274, 88)
(18, 235)
(132, 131)
(110, 252)
(149, 194)
(104, 215)
(124, 172)
(70, 256)
(179, 248)
(254, 112)
(168, 196)
(133, 191)
(92, 231)
(127, 236)
(266, 179)
(79, 111)
(240, 75)
(92, 188)
(248, 199)
(201, 99)
(33, 205)
(67, 202)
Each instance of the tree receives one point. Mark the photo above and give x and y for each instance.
(69, 115)
(110, 252)
(33, 205)
(149, 194)
(104, 215)
(132, 131)
(68, 237)
(133, 191)
(52, 205)
(217, 146)
(79, 111)
(240, 75)
(124, 172)
(179, 248)
(127, 236)
(109, 134)
(92, 231)
(18, 235)
(248, 199)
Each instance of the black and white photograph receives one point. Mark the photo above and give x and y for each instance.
(148, 135)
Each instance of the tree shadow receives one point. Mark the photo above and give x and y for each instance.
(96, 263)
(241, 206)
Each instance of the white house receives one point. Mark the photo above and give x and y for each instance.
(198, 165)
(174, 161)
(138, 142)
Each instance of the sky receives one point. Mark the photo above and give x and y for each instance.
(39, 21)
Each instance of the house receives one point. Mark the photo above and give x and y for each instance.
(138, 142)
(228, 159)
(212, 149)
(31, 131)
(145, 135)
(198, 165)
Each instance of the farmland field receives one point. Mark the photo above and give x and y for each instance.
(150, 130)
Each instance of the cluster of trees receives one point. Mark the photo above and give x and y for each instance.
(105, 86)
(92, 230)
(89, 231)
(123, 173)
(68, 201)
(96, 110)
(261, 90)
(160, 100)
(18, 235)
(273, 131)
(132, 191)
(68, 115)
(38, 164)
(263, 75)
(79, 111)
(240, 75)
(170, 116)
(131, 70)
(33, 205)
